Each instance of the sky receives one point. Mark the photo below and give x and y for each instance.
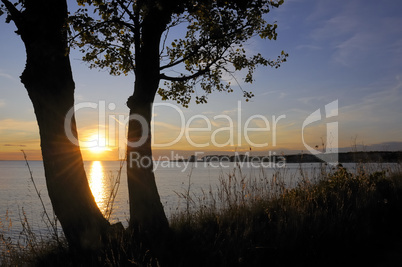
(341, 87)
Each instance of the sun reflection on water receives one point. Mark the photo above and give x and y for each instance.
(97, 183)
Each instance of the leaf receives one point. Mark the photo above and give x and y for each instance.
(210, 46)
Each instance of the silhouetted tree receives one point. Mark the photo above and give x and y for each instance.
(133, 36)
(49, 82)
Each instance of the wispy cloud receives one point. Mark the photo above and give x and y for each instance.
(12, 124)
(230, 111)
(207, 113)
(309, 47)
(79, 97)
(375, 118)
(377, 102)
(352, 49)
(6, 75)
(353, 32)
(166, 125)
(311, 100)
(17, 134)
(2, 103)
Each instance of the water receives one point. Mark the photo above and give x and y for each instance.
(19, 200)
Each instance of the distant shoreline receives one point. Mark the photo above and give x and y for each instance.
(343, 157)
(351, 157)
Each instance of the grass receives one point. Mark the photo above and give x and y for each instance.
(336, 218)
(339, 219)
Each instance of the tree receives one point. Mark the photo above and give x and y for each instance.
(49, 82)
(133, 36)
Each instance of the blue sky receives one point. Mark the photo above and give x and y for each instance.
(350, 51)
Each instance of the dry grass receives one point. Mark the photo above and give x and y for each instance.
(259, 221)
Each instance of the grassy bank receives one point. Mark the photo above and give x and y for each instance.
(336, 218)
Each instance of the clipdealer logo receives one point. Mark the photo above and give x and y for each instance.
(330, 155)
(237, 130)
(234, 129)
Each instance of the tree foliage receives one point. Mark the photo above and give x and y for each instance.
(211, 45)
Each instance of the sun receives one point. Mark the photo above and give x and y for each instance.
(99, 144)
(95, 146)
(97, 149)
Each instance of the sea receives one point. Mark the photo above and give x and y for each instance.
(24, 197)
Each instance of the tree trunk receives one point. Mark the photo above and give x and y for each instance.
(147, 217)
(49, 82)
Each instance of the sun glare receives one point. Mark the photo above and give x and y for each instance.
(100, 144)
(97, 183)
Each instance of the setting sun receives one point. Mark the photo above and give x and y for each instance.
(99, 144)
(96, 147)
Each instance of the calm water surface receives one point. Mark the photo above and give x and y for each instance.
(19, 200)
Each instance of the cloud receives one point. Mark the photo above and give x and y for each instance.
(13, 145)
(309, 47)
(354, 48)
(166, 125)
(2, 103)
(222, 122)
(16, 125)
(374, 117)
(375, 103)
(207, 113)
(16, 134)
(312, 100)
(230, 111)
(269, 92)
(356, 31)
(79, 97)
(6, 75)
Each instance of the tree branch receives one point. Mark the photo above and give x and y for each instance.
(137, 36)
(177, 62)
(202, 44)
(172, 24)
(193, 76)
(125, 8)
(15, 14)
(184, 78)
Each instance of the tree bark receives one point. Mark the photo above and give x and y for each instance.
(147, 217)
(49, 82)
